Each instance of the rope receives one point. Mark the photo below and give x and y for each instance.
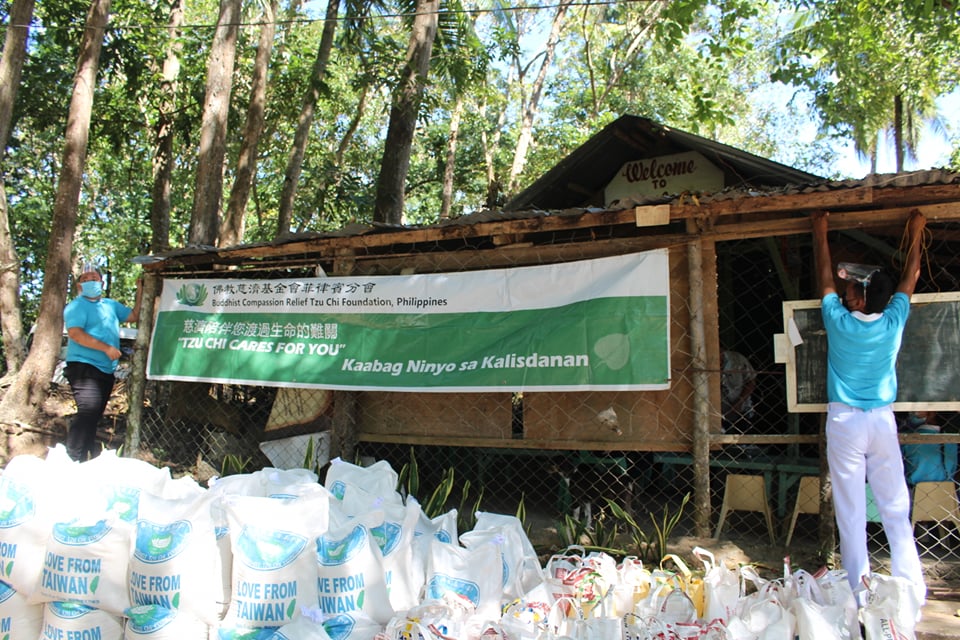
(926, 240)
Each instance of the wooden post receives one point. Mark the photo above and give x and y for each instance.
(701, 391)
(138, 373)
(827, 528)
(343, 431)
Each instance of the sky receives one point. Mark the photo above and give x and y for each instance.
(934, 150)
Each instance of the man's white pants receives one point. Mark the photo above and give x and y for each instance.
(862, 447)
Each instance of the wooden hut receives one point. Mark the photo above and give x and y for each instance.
(634, 186)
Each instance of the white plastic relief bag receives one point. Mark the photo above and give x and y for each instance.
(442, 528)
(817, 618)
(176, 562)
(892, 609)
(27, 513)
(634, 582)
(274, 563)
(519, 554)
(241, 484)
(86, 561)
(474, 575)
(351, 626)
(121, 481)
(307, 626)
(19, 620)
(763, 614)
(721, 587)
(153, 622)
(349, 574)
(378, 479)
(526, 618)
(279, 483)
(836, 591)
(432, 620)
(72, 620)
(392, 528)
(568, 577)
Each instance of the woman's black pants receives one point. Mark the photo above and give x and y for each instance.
(91, 391)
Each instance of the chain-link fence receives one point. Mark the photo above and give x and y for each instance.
(561, 459)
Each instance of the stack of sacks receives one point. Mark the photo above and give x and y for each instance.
(115, 548)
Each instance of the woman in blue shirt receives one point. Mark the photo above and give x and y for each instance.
(93, 349)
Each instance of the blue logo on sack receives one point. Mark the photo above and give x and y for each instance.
(159, 543)
(441, 584)
(336, 552)
(387, 536)
(79, 535)
(68, 610)
(339, 627)
(338, 489)
(267, 549)
(124, 502)
(16, 504)
(149, 618)
(244, 633)
(6, 592)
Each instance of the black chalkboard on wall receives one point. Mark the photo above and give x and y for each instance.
(928, 368)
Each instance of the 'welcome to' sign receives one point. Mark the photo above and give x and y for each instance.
(590, 325)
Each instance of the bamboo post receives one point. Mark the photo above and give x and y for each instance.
(343, 431)
(701, 392)
(138, 373)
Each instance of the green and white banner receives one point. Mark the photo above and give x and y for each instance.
(591, 325)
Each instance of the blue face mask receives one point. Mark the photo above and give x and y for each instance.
(91, 288)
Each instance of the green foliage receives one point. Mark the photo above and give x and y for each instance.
(666, 524)
(695, 65)
(310, 458)
(859, 58)
(233, 464)
(409, 484)
(605, 532)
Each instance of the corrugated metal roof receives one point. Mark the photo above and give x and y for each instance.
(579, 178)
(811, 185)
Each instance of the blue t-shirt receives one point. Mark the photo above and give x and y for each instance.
(99, 318)
(862, 354)
(929, 462)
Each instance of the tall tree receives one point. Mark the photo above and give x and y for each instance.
(164, 156)
(234, 219)
(873, 66)
(404, 110)
(291, 177)
(29, 390)
(208, 187)
(11, 66)
(530, 100)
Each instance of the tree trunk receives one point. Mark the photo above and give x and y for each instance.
(11, 64)
(234, 220)
(163, 159)
(446, 199)
(388, 206)
(26, 396)
(898, 131)
(491, 144)
(531, 108)
(208, 190)
(295, 163)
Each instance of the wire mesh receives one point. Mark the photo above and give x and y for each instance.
(214, 429)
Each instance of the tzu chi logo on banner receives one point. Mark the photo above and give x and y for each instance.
(654, 177)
